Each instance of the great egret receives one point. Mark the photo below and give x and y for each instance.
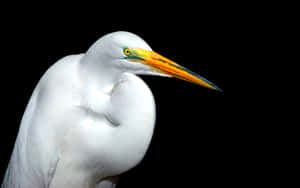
(90, 118)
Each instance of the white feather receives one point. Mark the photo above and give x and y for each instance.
(67, 138)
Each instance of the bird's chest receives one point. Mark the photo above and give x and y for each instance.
(132, 102)
(133, 107)
(129, 102)
(114, 148)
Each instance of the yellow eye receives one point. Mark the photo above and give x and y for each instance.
(126, 51)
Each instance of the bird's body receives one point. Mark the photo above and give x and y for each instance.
(55, 140)
(89, 118)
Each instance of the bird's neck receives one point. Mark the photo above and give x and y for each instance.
(98, 73)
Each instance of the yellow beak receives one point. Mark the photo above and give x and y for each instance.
(166, 66)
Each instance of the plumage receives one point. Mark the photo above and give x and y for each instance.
(89, 119)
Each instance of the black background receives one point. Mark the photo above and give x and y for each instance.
(201, 136)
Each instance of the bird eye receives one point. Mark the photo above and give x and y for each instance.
(126, 51)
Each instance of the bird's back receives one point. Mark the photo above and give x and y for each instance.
(35, 151)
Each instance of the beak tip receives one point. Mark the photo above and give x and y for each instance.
(219, 89)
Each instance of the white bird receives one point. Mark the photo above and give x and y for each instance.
(90, 118)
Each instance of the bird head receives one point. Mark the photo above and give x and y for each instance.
(128, 52)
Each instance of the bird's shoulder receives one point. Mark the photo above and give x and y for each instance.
(61, 76)
(63, 68)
